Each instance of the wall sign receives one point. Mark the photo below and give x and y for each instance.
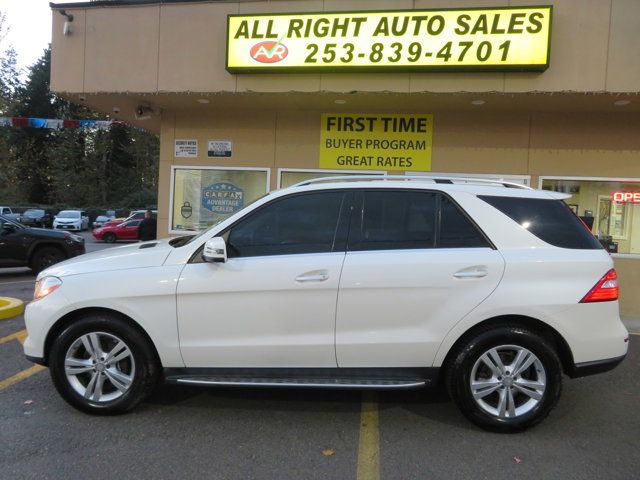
(219, 148)
(481, 39)
(376, 141)
(625, 197)
(223, 197)
(186, 148)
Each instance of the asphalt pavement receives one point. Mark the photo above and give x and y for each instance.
(186, 432)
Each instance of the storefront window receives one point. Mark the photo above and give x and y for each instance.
(203, 197)
(611, 208)
(291, 177)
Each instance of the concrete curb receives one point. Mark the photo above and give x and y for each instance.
(10, 307)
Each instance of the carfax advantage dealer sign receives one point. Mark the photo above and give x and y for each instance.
(482, 39)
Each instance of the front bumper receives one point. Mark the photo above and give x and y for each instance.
(38, 360)
(39, 317)
(75, 248)
(70, 226)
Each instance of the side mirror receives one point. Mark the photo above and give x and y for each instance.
(215, 250)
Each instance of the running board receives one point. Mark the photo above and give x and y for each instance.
(346, 383)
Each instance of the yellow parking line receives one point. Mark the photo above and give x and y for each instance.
(369, 444)
(18, 377)
(634, 333)
(24, 374)
(20, 336)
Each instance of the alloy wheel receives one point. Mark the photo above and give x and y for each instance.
(508, 381)
(100, 367)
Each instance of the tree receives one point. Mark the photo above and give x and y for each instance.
(76, 167)
(9, 85)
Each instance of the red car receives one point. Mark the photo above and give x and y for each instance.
(122, 231)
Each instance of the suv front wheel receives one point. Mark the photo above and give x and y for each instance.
(505, 379)
(100, 364)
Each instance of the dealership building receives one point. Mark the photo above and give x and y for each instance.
(251, 96)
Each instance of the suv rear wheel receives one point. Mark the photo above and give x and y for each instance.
(100, 364)
(505, 379)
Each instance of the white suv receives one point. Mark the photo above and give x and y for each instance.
(385, 283)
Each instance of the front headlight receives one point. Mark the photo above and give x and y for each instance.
(45, 286)
(73, 237)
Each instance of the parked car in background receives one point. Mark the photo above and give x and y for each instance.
(35, 248)
(8, 213)
(123, 231)
(139, 214)
(101, 220)
(114, 221)
(71, 220)
(133, 215)
(37, 217)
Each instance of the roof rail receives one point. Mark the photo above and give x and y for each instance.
(434, 178)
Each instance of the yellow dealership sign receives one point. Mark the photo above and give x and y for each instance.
(376, 141)
(482, 39)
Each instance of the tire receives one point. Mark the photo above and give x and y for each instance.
(109, 237)
(97, 386)
(496, 387)
(45, 257)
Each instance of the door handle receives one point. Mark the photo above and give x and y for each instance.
(477, 271)
(314, 276)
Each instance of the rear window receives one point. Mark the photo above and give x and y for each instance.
(550, 220)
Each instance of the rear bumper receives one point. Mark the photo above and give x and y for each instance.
(592, 368)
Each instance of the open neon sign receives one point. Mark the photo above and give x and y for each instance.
(626, 197)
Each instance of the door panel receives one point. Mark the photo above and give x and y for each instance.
(416, 265)
(395, 307)
(273, 302)
(274, 311)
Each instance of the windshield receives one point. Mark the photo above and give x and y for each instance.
(4, 220)
(68, 214)
(189, 238)
(34, 213)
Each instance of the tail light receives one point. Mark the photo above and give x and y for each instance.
(605, 290)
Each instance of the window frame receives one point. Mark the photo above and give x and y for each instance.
(201, 167)
(542, 178)
(357, 218)
(345, 208)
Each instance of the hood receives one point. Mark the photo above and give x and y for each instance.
(44, 233)
(137, 255)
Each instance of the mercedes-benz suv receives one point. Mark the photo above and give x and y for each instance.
(494, 289)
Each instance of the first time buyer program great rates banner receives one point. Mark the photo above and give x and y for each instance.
(371, 141)
(479, 39)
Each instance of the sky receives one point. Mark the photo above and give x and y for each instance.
(29, 28)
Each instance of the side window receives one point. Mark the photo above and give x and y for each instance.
(550, 220)
(395, 220)
(306, 223)
(456, 230)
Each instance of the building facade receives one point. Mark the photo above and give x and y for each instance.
(250, 96)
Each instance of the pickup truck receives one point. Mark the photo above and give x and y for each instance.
(7, 213)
